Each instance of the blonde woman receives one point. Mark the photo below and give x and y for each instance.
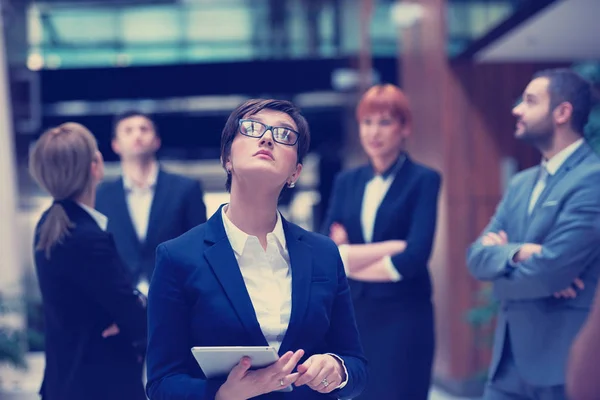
(95, 324)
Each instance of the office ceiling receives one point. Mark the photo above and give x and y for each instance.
(568, 31)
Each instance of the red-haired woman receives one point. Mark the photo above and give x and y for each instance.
(383, 216)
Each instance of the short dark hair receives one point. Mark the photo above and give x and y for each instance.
(568, 86)
(132, 113)
(254, 106)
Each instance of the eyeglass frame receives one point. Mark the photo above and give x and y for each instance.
(268, 128)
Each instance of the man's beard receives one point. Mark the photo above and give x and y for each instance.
(541, 135)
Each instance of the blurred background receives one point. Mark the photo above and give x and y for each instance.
(463, 64)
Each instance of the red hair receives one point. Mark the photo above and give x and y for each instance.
(385, 98)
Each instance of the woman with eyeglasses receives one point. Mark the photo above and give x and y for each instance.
(94, 320)
(383, 217)
(248, 277)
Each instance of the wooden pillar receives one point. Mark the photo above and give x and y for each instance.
(463, 128)
(363, 64)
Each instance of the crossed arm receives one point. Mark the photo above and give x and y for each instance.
(392, 260)
(368, 262)
(538, 270)
(365, 261)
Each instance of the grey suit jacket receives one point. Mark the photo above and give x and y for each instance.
(566, 222)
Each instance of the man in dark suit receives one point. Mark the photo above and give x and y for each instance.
(147, 205)
(540, 249)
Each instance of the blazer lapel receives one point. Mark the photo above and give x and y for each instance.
(550, 183)
(301, 268)
(354, 227)
(162, 191)
(569, 164)
(221, 259)
(393, 193)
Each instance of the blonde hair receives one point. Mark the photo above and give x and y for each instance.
(60, 163)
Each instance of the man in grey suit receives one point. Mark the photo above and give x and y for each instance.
(541, 248)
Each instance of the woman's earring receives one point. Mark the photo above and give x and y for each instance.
(291, 184)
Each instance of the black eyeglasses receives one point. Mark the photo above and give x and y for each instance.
(281, 134)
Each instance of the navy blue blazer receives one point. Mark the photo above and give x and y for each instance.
(85, 288)
(177, 207)
(408, 212)
(198, 298)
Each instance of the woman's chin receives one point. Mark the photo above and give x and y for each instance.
(380, 153)
(262, 175)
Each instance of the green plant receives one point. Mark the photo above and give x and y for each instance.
(484, 313)
(481, 318)
(35, 325)
(591, 71)
(12, 351)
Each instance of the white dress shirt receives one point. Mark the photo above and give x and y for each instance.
(139, 201)
(375, 191)
(268, 278)
(101, 219)
(549, 168)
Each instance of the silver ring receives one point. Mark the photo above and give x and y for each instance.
(281, 382)
(325, 382)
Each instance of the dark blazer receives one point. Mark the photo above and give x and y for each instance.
(566, 222)
(198, 298)
(177, 207)
(395, 319)
(85, 288)
(407, 212)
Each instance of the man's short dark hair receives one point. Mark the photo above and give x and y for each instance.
(253, 106)
(568, 86)
(132, 113)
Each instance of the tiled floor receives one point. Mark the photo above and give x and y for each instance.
(436, 394)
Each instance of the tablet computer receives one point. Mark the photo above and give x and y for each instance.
(218, 361)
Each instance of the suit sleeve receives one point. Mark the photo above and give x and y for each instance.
(195, 208)
(566, 252)
(487, 263)
(105, 278)
(169, 355)
(419, 241)
(334, 209)
(343, 338)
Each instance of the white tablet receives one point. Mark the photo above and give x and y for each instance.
(217, 362)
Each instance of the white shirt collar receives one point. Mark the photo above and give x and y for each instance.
(100, 218)
(552, 165)
(151, 181)
(237, 238)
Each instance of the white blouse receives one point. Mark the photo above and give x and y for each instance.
(268, 278)
(375, 191)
